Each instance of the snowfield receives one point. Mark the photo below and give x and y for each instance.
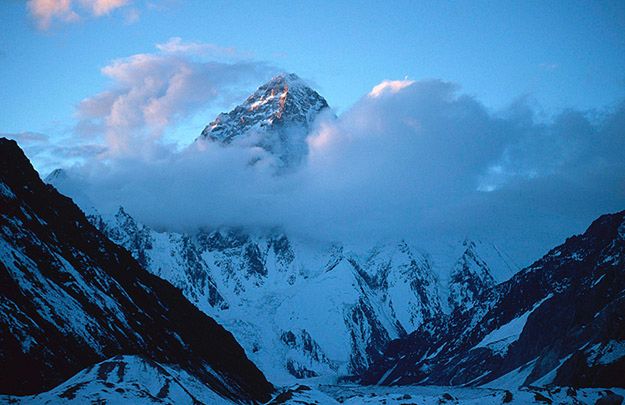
(436, 395)
(306, 310)
(131, 379)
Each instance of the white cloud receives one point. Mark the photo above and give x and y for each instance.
(131, 16)
(103, 7)
(48, 153)
(149, 92)
(45, 12)
(176, 45)
(389, 86)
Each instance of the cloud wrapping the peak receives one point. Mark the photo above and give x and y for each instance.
(424, 161)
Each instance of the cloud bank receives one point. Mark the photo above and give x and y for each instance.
(416, 160)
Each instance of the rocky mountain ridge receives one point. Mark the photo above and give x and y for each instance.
(69, 298)
(560, 321)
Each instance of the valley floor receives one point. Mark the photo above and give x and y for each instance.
(430, 395)
(145, 382)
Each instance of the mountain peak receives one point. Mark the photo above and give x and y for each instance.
(285, 100)
(289, 79)
(56, 176)
(280, 111)
(16, 171)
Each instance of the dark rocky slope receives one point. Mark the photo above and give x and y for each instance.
(69, 298)
(560, 321)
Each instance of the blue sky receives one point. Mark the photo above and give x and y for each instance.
(560, 54)
(502, 119)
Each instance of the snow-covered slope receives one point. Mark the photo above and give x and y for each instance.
(135, 380)
(69, 298)
(127, 380)
(304, 309)
(277, 117)
(437, 395)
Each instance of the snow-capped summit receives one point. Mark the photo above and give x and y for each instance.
(55, 176)
(277, 117)
(470, 278)
(284, 100)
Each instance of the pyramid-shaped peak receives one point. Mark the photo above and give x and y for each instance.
(55, 176)
(285, 101)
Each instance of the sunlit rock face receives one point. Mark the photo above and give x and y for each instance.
(277, 118)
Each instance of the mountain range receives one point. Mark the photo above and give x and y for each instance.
(307, 310)
(92, 292)
(560, 321)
